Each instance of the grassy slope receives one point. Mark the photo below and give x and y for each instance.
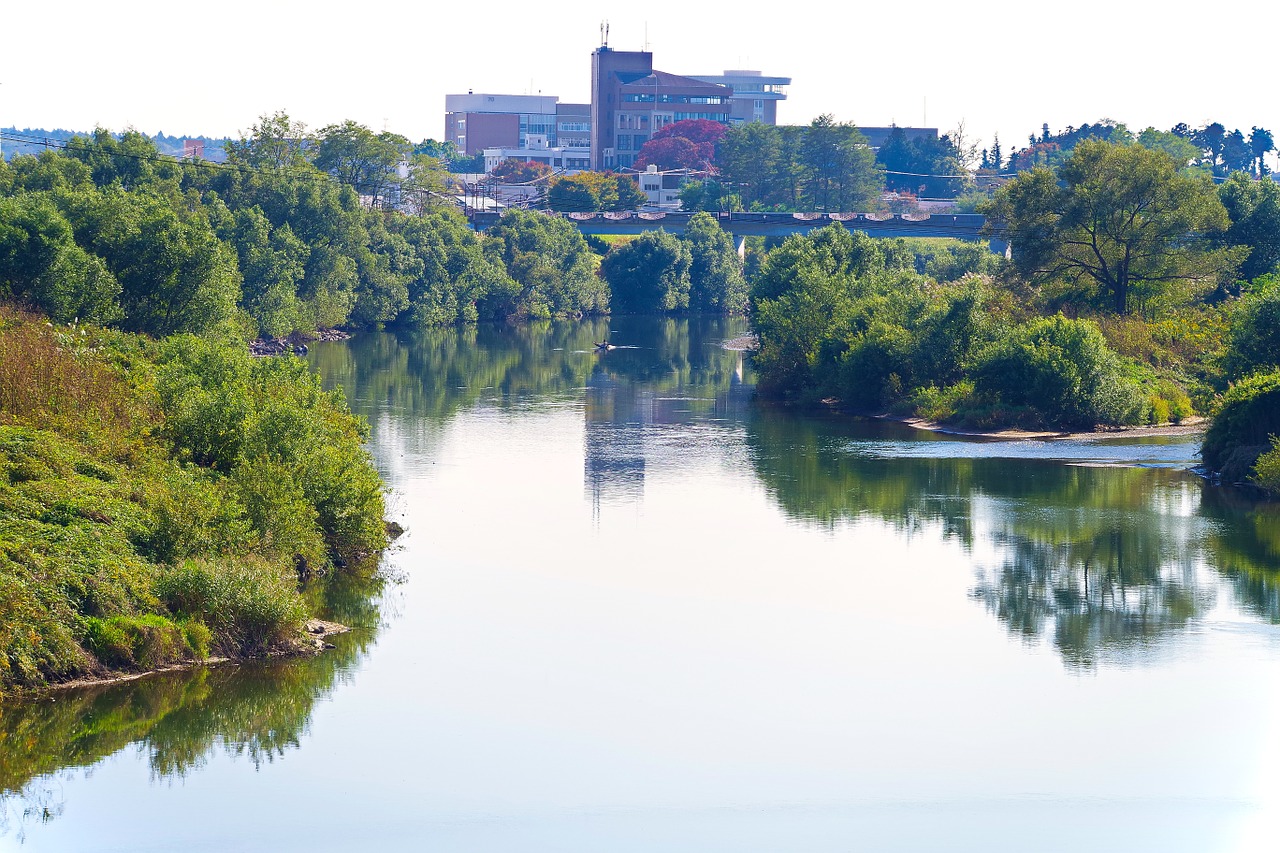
(117, 550)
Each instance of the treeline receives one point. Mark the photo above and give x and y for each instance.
(1122, 304)
(1211, 148)
(161, 501)
(825, 165)
(291, 234)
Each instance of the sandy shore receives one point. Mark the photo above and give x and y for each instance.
(1191, 426)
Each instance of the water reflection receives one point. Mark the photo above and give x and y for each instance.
(1103, 562)
(664, 372)
(177, 720)
(676, 374)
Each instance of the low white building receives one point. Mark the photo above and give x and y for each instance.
(662, 187)
(560, 159)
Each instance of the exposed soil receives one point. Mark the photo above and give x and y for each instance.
(311, 640)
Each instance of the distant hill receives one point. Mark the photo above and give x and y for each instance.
(33, 140)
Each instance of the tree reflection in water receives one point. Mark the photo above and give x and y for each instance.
(259, 711)
(1104, 562)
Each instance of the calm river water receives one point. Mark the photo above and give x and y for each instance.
(635, 611)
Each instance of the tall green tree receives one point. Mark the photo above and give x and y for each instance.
(1254, 210)
(839, 171)
(650, 273)
(274, 142)
(1119, 218)
(749, 161)
(716, 281)
(366, 161)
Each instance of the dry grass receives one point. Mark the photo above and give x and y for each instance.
(48, 380)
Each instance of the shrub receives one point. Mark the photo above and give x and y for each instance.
(249, 605)
(1255, 331)
(1266, 472)
(1062, 371)
(1244, 427)
(144, 642)
(941, 404)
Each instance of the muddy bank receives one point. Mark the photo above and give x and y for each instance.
(312, 639)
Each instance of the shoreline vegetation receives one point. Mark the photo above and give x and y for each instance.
(165, 496)
(167, 501)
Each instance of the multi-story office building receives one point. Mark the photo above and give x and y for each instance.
(474, 122)
(755, 97)
(630, 102)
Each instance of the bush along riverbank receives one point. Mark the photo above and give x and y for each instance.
(843, 322)
(162, 501)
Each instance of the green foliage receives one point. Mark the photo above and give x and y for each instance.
(251, 605)
(361, 159)
(1244, 427)
(1059, 372)
(141, 642)
(100, 496)
(1254, 210)
(1266, 471)
(293, 450)
(716, 281)
(927, 165)
(550, 264)
(1119, 219)
(650, 273)
(593, 191)
(1255, 330)
(41, 264)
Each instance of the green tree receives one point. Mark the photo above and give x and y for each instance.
(838, 167)
(716, 281)
(426, 185)
(40, 263)
(650, 273)
(275, 142)
(175, 274)
(363, 160)
(1123, 220)
(749, 161)
(1255, 331)
(1183, 151)
(1062, 371)
(550, 263)
(1261, 143)
(1254, 210)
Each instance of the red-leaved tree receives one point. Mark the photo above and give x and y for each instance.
(688, 144)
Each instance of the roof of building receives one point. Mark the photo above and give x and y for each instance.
(665, 80)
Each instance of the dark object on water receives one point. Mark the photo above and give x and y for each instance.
(604, 346)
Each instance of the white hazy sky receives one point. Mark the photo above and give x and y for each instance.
(214, 67)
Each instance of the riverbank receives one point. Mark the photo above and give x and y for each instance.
(1191, 426)
(312, 639)
(161, 500)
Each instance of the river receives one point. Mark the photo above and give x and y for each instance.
(635, 610)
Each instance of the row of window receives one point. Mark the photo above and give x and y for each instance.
(632, 142)
(649, 98)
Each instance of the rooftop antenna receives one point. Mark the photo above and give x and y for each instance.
(604, 33)
(646, 36)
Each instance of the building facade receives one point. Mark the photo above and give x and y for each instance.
(474, 122)
(754, 96)
(630, 102)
